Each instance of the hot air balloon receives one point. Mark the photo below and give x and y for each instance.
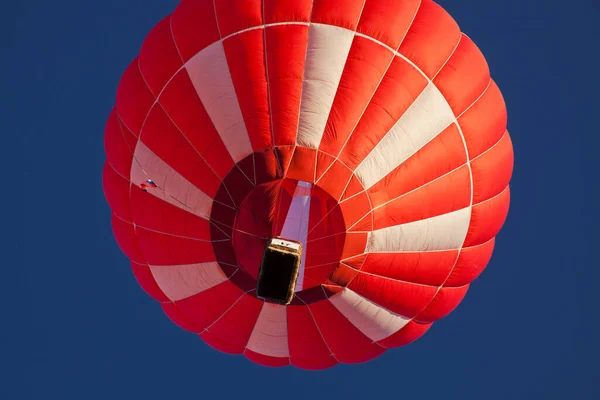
(307, 182)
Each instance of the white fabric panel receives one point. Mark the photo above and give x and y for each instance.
(374, 321)
(270, 334)
(210, 75)
(444, 232)
(326, 54)
(295, 226)
(426, 118)
(172, 187)
(182, 281)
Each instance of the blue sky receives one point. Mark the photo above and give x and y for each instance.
(77, 326)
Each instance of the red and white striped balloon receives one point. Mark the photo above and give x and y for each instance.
(368, 130)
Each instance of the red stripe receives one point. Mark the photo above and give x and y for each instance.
(116, 191)
(409, 333)
(444, 302)
(126, 238)
(146, 280)
(399, 88)
(184, 108)
(159, 59)
(492, 171)
(464, 77)
(235, 326)
(443, 154)
(196, 310)
(118, 145)
(484, 123)
(161, 249)
(168, 143)
(237, 15)
(449, 193)
(342, 13)
(134, 99)
(367, 63)
(304, 339)
(387, 21)
(286, 51)
(266, 361)
(153, 213)
(194, 27)
(427, 268)
(404, 298)
(470, 264)
(246, 59)
(347, 343)
(487, 218)
(431, 38)
(286, 11)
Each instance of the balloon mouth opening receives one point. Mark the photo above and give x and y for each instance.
(279, 270)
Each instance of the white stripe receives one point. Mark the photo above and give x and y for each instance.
(295, 226)
(326, 54)
(444, 232)
(172, 187)
(182, 281)
(374, 321)
(210, 75)
(270, 334)
(426, 118)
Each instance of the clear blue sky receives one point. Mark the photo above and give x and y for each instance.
(76, 325)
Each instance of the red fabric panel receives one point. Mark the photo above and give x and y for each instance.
(404, 298)
(484, 123)
(204, 308)
(444, 302)
(449, 193)
(146, 280)
(126, 238)
(342, 13)
(355, 208)
(464, 77)
(155, 214)
(118, 145)
(116, 191)
(237, 15)
(162, 249)
(492, 170)
(159, 59)
(399, 88)
(134, 99)
(470, 264)
(336, 179)
(304, 339)
(487, 219)
(194, 27)
(235, 326)
(266, 361)
(302, 167)
(388, 20)
(409, 333)
(441, 155)
(431, 39)
(427, 268)
(286, 53)
(286, 11)
(246, 59)
(365, 67)
(183, 106)
(167, 142)
(347, 343)
(179, 319)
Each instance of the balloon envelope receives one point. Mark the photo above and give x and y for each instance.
(368, 132)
